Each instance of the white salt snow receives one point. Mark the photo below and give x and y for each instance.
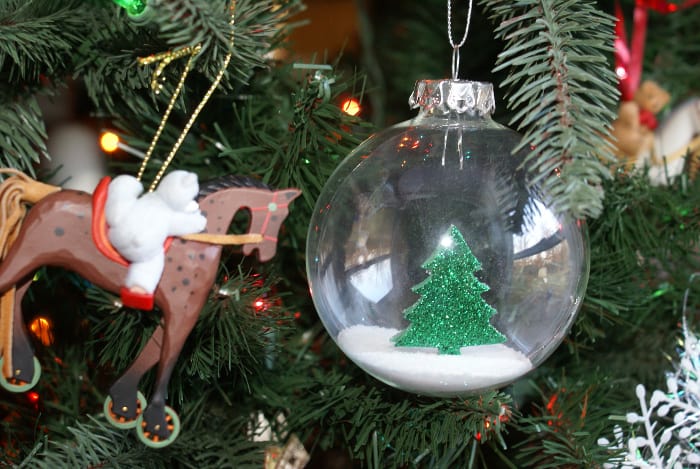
(424, 371)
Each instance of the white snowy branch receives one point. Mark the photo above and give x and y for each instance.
(666, 433)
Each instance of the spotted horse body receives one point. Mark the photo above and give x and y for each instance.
(57, 232)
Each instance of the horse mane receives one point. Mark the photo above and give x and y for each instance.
(16, 192)
(227, 181)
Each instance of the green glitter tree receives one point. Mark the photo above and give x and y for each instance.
(450, 312)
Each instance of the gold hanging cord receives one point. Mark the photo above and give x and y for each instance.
(164, 59)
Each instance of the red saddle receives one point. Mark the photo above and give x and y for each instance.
(99, 236)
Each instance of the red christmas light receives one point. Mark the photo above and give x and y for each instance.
(33, 397)
(491, 423)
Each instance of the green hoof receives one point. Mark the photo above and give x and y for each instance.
(148, 439)
(21, 387)
(120, 422)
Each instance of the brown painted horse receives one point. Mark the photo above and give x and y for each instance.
(57, 232)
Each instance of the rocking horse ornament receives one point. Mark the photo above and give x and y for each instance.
(58, 231)
(68, 229)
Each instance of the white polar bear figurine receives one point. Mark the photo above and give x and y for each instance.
(140, 224)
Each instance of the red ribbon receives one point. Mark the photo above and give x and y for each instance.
(629, 57)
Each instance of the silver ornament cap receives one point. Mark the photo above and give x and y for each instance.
(442, 97)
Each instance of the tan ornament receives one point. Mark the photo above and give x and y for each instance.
(664, 148)
(292, 456)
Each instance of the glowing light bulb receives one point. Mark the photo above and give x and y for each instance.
(109, 141)
(33, 397)
(351, 107)
(42, 329)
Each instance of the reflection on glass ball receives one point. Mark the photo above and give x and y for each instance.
(381, 219)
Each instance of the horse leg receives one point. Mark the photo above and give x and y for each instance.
(16, 270)
(156, 428)
(22, 352)
(124, 391)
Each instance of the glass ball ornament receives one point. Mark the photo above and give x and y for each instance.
(433, 262)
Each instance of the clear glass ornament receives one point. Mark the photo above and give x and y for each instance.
(383, 234)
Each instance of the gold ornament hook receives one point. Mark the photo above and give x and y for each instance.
(164, 59)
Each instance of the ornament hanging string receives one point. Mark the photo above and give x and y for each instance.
(455, 46)
(164, 59)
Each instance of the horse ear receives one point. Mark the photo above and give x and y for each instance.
(290, 194)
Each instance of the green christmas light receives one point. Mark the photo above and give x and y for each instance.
(133, 7)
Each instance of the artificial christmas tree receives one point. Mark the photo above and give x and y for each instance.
(258, 368)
